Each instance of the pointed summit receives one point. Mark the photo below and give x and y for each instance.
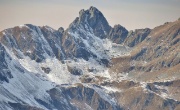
(93, 18)
(92, 12)
(93, 8)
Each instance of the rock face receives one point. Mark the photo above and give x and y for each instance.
(161, 47)
(33, 41)
(5, 73)
(90, 66)
(136, 37)
(75, 70)
(81, 97)
(95, 19)
(118, 34)
(83, 35)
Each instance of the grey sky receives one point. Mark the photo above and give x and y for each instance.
(132, 14)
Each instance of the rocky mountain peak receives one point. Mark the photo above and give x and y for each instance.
(92, 12)
(94, 19)
(61, 30)
(118, 34)
(93, 9)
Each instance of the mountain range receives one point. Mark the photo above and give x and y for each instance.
(90, 66)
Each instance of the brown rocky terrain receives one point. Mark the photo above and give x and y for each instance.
(157, 54)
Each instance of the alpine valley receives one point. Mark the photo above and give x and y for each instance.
(90, 66)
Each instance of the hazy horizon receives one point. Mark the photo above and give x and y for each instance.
(60, 13)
